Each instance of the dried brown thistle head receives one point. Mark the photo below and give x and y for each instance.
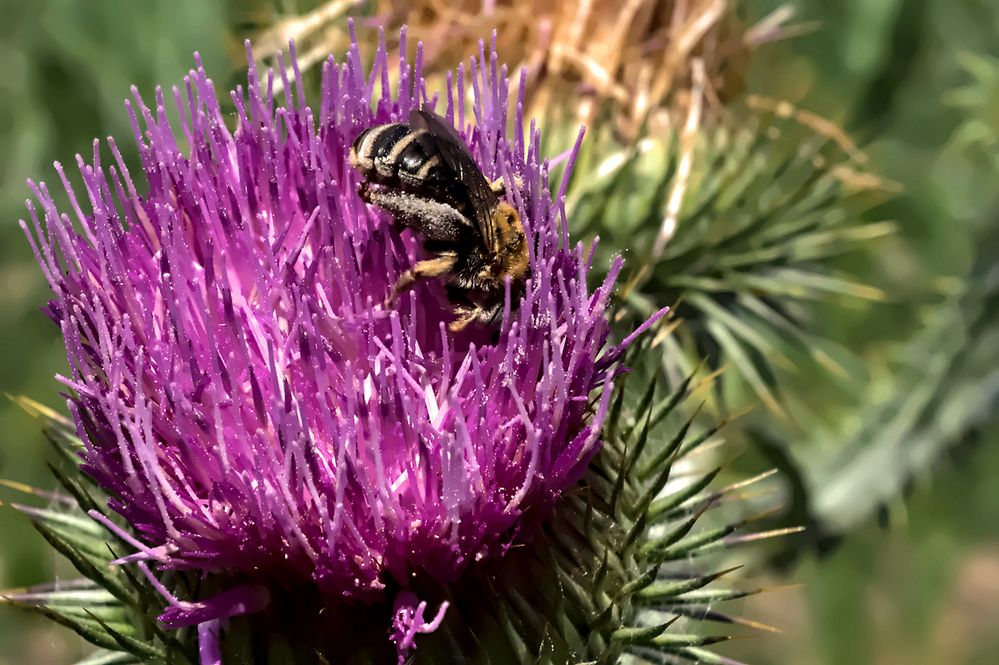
(629, 59)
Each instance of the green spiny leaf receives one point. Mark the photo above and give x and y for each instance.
(109, 658)
(88, 629)
(641, 635)
(659, 509)
(148, 651)
(665, 591)
(90, 566)
(641, 506)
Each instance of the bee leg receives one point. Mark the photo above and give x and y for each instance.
(478, 314)
(499, 186)
(465, 316)
(434, 267)
(364, 191)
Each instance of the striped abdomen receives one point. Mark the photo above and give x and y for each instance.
(396, 153)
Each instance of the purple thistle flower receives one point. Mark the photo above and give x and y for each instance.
(245, 399)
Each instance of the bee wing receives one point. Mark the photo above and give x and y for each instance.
(458, 158)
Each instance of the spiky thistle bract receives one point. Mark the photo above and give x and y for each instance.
(266, 465)
(736, 221)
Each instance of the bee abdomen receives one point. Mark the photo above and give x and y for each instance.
(395, 152)
(373, 145)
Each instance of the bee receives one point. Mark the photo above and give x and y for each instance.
(424, 175)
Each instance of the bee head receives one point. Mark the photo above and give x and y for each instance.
(354, 157)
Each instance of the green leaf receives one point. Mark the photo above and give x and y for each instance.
(87, 628)
(641, 635)
(109, 658)
(665, 591)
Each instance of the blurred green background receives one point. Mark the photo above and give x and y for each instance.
(913, 579)
(67, 67)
